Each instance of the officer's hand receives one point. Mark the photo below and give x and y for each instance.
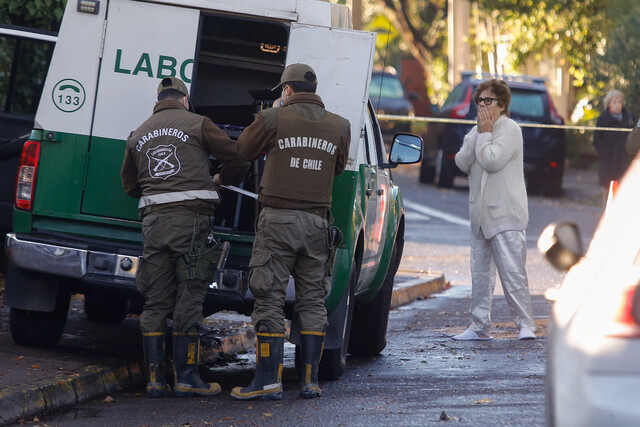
(216, 180)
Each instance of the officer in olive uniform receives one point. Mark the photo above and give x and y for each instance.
(306, 147)
(166, 164)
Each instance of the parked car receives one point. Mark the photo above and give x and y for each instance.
(544, 148)
(593, 344)
(24, 59)
(388, 97)
(77, 232)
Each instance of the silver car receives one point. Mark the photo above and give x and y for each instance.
(593, 346)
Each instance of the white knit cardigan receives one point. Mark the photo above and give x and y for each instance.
(497, 192)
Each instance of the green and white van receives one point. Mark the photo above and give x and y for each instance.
(76, 231)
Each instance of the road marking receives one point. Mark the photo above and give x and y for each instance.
(416, 216)
(437, 214)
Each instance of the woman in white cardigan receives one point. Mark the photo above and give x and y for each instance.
(492, 157)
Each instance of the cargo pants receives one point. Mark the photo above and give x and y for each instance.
(167, 234)
(289, 243)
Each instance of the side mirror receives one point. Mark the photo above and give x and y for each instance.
(405, 149)
(561, 245)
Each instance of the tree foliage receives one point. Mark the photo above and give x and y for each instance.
(40, 14)
(422, 27)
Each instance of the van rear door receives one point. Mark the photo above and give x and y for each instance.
(143, 43)
(343, 60)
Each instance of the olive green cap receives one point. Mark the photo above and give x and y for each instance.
(298, 73)
(172, 83)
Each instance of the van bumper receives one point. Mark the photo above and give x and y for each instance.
(66, 261)
(89, 267)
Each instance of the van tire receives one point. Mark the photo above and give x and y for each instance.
(101, 307)
(40, 328)
(334, 361)
(370, 319)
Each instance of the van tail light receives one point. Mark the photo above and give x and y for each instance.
(461, 111)
(555, 117)
(27, 172)
(625, 322)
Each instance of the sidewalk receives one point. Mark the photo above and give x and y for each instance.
(85, 365)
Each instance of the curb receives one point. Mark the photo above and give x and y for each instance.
(17, 403)
(417, 288)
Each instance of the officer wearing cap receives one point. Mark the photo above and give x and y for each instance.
(166, 165)
(306, 147)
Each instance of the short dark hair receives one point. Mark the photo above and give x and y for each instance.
(170, 94)
(501, 90)
(301, 87)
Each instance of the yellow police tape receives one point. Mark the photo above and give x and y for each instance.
(473, 122)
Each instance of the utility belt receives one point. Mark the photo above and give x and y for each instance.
(321, 212)
(206, 207)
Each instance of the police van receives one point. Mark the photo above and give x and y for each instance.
(75, 230)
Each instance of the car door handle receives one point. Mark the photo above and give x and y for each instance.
(380, 191)
(368, 192)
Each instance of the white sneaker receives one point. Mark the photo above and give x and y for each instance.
(470, 335)
(526, 334)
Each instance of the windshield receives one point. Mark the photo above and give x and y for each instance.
(385, 86)
(527, 103)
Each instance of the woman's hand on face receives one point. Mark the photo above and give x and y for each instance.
(485, 124)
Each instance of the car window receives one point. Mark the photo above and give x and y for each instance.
(527, 103)
(455, 97)
(23, 68)
(385, 86)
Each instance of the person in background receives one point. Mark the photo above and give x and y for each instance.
(492, 156)
(610, 145)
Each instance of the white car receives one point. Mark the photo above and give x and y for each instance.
(593, 346)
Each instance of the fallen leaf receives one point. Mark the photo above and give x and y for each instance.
(267, 414)
(35, 366)
(485, 400)
(108, 399)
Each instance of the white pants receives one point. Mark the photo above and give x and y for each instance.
(506, 251)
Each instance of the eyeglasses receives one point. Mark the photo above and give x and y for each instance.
(487, 101)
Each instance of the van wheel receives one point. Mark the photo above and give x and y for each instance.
(370, 319)
(334, 361)
(101, 307)
(40, 328)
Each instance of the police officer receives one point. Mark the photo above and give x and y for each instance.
(306, 147)
(166, 164)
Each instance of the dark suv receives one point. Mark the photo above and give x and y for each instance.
(544, 148)
(388, 97)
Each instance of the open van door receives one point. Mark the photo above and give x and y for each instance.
(343, 63)
(138, 52)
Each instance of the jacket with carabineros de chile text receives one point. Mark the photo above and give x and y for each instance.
(306, 145)
(169, 155)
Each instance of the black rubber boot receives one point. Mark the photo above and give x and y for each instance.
(311, 345)
(153, 345)
(267, 381)
(186, 363)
